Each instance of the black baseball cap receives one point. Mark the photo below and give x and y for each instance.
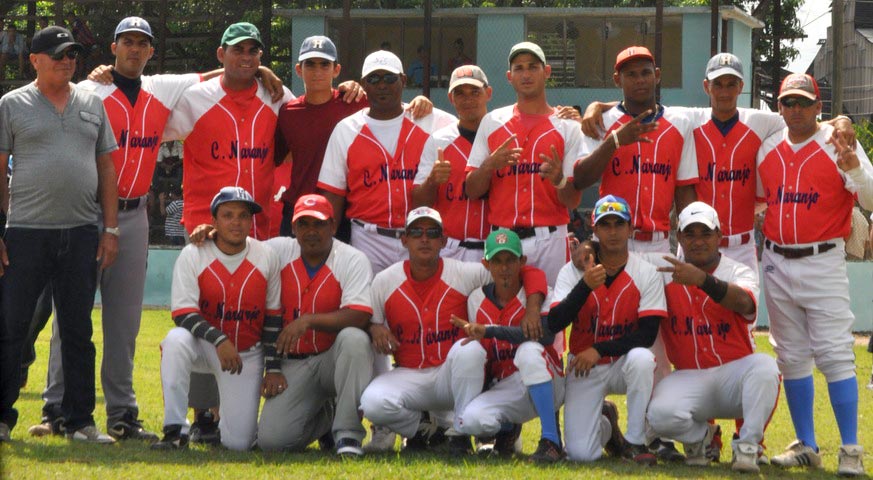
(234, 194)
(52, 40)
(317, 46)
(134, 24)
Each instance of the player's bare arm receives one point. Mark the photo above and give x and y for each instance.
(107, 189)
(683, 196)
(592, 120)
(324, 322)
(338, 202)
(531, 322)
(201, 233)
(420, 107)
(426, 193)
(229, 357)
(728, 295)
(842, 124)
(473, 331)
(274, 383)
(4, 207)
(384, 341)
(568, 113)
(583, 362)
(479, 180)
(589, 169)
(352, 91)
(552, 169)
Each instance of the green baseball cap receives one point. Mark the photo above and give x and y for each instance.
(500, 240)
(239, 32)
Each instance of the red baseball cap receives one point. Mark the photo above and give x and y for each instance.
(632, 53)
(799, 84)
(312, 205)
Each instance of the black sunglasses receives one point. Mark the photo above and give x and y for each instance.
(417, 232)
(790, 102)
(70, 53)
(388, 78)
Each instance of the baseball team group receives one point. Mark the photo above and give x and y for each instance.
(351, 256)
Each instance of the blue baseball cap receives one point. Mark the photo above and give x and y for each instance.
(234, 194)
(134, 24)
(611, 205)
(317, 46)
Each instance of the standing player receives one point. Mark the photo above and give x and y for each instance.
(646, 154)
(371, 160)
(809, 188)
(711, 299)
(441, 178)
(227, 308)
(525, 377)
(615, 304)
(325, 352)
(228, 124)
(413, 302)
(523, 159)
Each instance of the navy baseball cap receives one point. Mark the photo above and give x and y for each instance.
(317, 46)
(234, 194)
(611, 205)
(724, 64)
(134, 24)
(52, 40)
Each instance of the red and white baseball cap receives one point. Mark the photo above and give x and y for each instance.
(799, 84)
(632, 53)
(312, 205)
(698, 212)
(423, 212)
(468, 75)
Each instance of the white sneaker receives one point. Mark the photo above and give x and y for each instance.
(695, 453)
(90, 434)
(382, 439)
(745, 458)
(797, 455)
(851, 462)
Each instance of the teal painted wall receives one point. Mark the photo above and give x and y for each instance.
(302, 27)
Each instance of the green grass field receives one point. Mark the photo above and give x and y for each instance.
(43, 458)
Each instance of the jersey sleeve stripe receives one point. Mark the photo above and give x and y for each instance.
(330, 188)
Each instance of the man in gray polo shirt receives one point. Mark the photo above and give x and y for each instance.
(62, 178)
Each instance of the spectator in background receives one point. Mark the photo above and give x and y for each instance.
(11, 46)
(416, 68)
(171, 208)
(82, 33)
(460, 58)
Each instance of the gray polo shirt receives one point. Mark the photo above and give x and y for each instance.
(54, 164)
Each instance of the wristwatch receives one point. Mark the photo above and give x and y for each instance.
(112, 230)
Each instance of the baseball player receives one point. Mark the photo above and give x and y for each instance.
(525, 376)
(227, 308)
(809, 188)
(646, 154)
(325, 351)
(228, 124)
(710, 301)
(413, 302)
(371, 161)
(615, 304)
(440, 181)
(523, 158)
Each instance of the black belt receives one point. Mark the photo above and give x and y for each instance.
(526, 232)
(299, 356)
(799, 252)
(125, 204)
(385, 232)
(472, 245)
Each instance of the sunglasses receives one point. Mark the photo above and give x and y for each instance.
(70, 53)
(388, 78)
(790, 102)
(611, 207)
(417, 232)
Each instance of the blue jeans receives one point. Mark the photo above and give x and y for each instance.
(64, 258)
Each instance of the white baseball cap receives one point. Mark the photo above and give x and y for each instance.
(423, 212)
(381, 60)
(698, 212)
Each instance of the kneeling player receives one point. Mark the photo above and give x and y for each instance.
(226, 305)
(710, 302)
(525, 375)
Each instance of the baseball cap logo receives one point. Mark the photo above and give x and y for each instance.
(309, 202)
(465, 72)
(63, 35)
(501, 239)
(724, 60)
(135, 22)
(796, 81)
(318, 43)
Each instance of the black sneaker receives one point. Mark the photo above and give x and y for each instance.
(666, 451)
(504, 442)
(173, 439)
(547, 452)
(639, 454)
(616, 444)
(326, 443)
(349, 448)
(459, 445)
(130, 428)
(205, 429)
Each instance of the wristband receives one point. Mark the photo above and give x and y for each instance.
(562, 183)
(112, 230)
(715, 288)
(615, 140)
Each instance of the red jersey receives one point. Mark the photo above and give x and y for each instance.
(232, 292)
(463, 218)
(809, 199)
(612, 312)
(647, 174)
(139, 128)
(228, 142)
(699, 333)
(501, 354)
(518, 195)
(342, 282)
